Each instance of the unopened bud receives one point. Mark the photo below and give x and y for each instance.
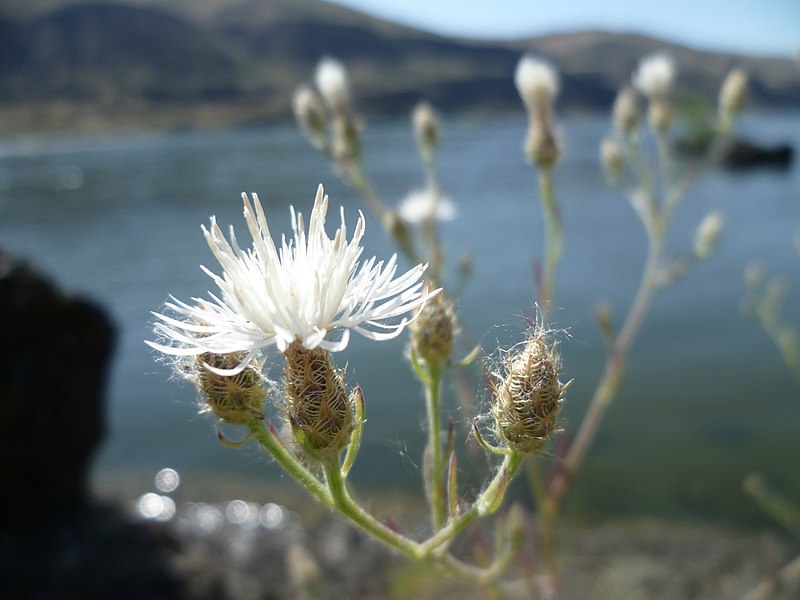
(707, 235)
(398, 228)
(235, 399)
(426, 128)
(346, 137)
(318, 407)
(611, 159)
(433, 330)
(659, 115)
(528, 400)
(626, 112)
(732, 94)
(605, 322)
(541, 145)
(310, 114)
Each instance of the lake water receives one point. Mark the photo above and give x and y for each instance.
(706, 401)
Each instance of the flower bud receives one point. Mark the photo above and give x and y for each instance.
(659, 115)
(234, 399)
(433, 330)
(426, 129)
(318, 407)
(707, 235)
(398, 228)
(611, 159)
(310, 114)
(528, 400)
(346, 137)
(732, 94)
(541, 145)
(626, 112)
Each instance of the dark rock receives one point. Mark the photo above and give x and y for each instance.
(744, 154)
(56, 351)
(738, 153)
(96, 553)
(56, 541)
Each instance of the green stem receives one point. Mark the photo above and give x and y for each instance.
(287, 460)
(485, 504)
(433, 387)
(341, 500)
(554, 238)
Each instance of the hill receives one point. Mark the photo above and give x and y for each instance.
(66, 64)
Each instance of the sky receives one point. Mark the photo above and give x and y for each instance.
(764, 27)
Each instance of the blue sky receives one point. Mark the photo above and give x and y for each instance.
(747, 26)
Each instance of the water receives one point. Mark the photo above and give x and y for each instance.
(706, 401)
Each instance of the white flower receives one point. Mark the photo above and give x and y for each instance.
(420, 205)
(654, 75)
(331, 79)
(304, 290)
(536, 80)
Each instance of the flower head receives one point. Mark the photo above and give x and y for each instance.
(303, 291)
(537, 83)
(654, 75)
(332, 82)
(536, 80)
(423, 205)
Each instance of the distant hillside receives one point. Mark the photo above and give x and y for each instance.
(64, 63)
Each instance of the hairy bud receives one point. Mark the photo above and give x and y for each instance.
(707, 235)
(626, 112)
(319, 410)
(541, 145)
(235, 399)
(528, 400)
(310, 114)
(611, 159)
(732, 94)
(426, 129)
(433, 330)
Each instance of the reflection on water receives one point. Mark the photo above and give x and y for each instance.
(206, 519)
(118, 218)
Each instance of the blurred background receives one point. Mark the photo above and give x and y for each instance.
(125, 125)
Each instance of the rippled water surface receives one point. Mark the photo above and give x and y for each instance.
(706, 401)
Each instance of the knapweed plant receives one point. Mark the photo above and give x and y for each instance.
(302, 299)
